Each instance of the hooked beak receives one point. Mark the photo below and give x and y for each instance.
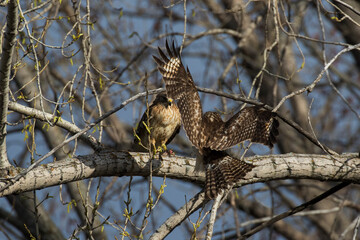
(170, 100)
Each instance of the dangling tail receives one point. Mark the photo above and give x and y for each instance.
(224, 171)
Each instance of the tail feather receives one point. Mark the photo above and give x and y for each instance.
(225, 172)
(211, 188)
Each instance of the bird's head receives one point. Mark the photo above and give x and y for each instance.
(169, 102)
(163, 99)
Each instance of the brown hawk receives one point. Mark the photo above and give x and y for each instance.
(208, 132)
(164, 124)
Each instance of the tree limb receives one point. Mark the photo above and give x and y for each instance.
(43, 116)
(74, 129)
(5, 67)
(185, 211)
(115, 163)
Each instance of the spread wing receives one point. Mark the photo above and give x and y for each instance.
(252, 123)
(180, 86)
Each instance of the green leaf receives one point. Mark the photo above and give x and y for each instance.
(302, 66)
(101, 83)
(95, 128)
(26, 136)
(132, 34)
(161, 190)
(336, 19)
(69, 206)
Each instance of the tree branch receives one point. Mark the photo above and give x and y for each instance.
(74, 129)
(77, 135)
(114, 163)
(43, 116)
(295, 210)
(5, 67)
(185, 211)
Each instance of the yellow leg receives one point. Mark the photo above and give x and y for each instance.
(159, 149)
(164, 147)
(153, 146)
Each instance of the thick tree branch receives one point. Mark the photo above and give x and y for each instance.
(114, 163)
(5, 67)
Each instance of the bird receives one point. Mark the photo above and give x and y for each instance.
(159, 125)
(208, 132)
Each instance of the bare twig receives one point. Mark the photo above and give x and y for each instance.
(310, 87)
(35, 113)
(172, 222)
(212, 219)
(184, 35)
(348, 6)
(87, 128)
(295, 210)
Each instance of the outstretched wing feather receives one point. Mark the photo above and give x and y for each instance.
(252, 123)
(181, 87)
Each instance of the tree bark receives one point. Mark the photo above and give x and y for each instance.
(114, 163)
(5, 67)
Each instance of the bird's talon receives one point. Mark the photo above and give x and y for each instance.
(160, 150)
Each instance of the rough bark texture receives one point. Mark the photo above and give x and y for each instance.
(5, 67)
(113, 163)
